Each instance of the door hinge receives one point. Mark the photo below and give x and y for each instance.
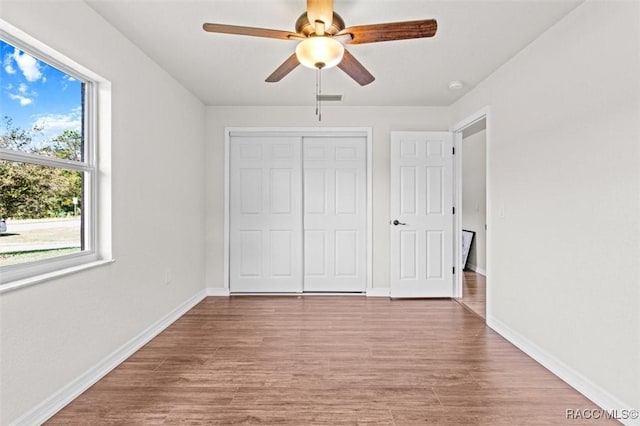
(453, 150)
(453, 210)
(454, 270)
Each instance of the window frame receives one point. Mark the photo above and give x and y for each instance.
(12, 276)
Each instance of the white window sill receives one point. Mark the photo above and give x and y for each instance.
(26, 282)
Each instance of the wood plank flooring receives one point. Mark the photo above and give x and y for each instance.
(327, 361)
(474, 293)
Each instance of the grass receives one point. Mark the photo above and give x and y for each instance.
(32, 240)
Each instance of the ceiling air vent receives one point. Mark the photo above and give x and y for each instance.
(329, 98)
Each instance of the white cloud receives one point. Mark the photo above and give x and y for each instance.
(53, 125)
(29, 65)
(65, 80)
(6, 63)
(23, 94)
(24, 101)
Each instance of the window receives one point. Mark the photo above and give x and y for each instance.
(48, 168)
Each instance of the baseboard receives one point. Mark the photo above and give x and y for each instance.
(217, 291)
(595, 393)
(224, 292)
(371, 292)
(476, 269)
(50, 406)
(378, 292)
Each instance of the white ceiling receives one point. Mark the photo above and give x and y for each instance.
(474, 38)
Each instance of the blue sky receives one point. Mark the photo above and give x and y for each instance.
(34, 93)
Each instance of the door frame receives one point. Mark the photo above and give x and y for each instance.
(457, 129)
(366, 132)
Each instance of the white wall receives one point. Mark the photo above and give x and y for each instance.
(564, 159)
(382, 120)
(55, 331)
(474, 196)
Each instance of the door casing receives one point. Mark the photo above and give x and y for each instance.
(457, 129)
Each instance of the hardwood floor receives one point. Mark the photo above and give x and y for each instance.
(327, 361)
(474, 293)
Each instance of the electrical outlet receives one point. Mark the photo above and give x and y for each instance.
(167, 276)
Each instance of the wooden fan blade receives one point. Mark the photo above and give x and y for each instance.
(284, 69)
(355, 69)
(250, 31)
(391, 31)
(320, 10)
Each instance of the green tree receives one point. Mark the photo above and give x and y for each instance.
(15, 138)
(34, 191)
(67, 146)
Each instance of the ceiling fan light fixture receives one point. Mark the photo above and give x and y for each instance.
(319, 52)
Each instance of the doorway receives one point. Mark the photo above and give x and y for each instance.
(472, 187)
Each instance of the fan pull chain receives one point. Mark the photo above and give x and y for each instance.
(319, 93)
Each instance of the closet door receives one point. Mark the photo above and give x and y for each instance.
(335, 218)
(265, 214)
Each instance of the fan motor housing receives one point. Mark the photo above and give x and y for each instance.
(303, 26)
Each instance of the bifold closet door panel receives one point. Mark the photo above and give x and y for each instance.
(265, 241)
(335, 215)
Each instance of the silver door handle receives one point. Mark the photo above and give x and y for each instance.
(396, 222)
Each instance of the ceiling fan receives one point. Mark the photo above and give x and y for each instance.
(321, 36)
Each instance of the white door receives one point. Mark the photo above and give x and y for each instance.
(335, 195)
(265, 214)
(421, 214)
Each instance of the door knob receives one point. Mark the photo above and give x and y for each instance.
(396, 222)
